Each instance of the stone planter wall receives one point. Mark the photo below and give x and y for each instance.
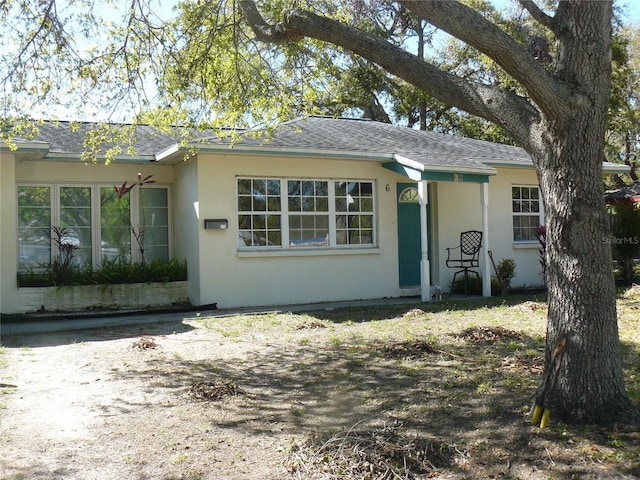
(130, 296)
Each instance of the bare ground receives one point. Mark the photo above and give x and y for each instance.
(380, 393)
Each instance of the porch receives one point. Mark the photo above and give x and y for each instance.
(415, 245)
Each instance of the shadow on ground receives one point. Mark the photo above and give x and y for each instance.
(68, 337)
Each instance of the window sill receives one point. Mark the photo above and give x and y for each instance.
(307, 252)
(523, 245)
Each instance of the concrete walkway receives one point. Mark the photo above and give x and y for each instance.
(57, 323)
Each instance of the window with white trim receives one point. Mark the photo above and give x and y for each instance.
(34, 226)
(354, 213)
(527, 212)
(305, 213)
(259, 212)
(308, 207)
(98, 222)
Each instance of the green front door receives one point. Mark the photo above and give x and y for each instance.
(409, 240)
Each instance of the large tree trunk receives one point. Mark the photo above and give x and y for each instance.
(567, 151)
(582, 308)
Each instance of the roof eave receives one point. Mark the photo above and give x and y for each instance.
(408, 162)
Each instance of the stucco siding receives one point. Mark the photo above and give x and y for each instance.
(525, 255)
(186, 222)
(204, 187)
(231, 277)
(75, 171)
(459, 210)
(8, 233)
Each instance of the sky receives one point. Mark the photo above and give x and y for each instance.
(631, 7)
(164, 8)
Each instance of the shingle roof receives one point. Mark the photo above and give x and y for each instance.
(376, 138)
(315, 134)
(630, 193)
(68, 137)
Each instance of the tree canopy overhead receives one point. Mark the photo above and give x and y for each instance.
(545, 83)
(174, 62)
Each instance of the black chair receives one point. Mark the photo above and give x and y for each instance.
(465, 257)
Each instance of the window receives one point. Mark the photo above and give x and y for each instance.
(34, 226)
(308, 203)
(99, 223)
(115, 221)
(259, 213)
(526, 206)
(75, 219)
(354, 213)
(299, 213)
(154, 222)
(409, 195)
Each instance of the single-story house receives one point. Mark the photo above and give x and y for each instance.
(324, 209)
(627, 194)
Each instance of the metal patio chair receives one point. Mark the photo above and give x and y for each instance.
(465, 257)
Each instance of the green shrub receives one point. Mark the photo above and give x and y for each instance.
(110, 272)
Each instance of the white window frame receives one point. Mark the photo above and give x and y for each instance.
(284, 212)
(96, 215)
(540, 214)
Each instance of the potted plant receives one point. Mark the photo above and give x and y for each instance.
(505, 271)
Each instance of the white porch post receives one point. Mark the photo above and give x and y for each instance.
(486, 266)
(425, 280)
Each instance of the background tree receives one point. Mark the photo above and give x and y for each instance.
(225, 62)
(623, 132)
(625, 238)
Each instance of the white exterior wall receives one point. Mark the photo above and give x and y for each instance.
(232, 278)
(13, 172)
(459, 210)
(500, 224)
(187, 225)
(8, 233)
(205, 187)
(75, 171)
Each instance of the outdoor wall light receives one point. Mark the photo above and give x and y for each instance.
(216, 224)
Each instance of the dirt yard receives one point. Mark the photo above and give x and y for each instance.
(361, 393)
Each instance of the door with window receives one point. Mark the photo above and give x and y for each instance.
(409, 235)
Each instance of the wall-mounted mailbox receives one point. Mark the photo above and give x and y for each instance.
(216, 224)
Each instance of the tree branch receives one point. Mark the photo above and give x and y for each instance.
(262, 30)
(551, 95)
(505, 108)
(538, 15)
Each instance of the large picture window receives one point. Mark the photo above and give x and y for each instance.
(305, 213)
(527, 212)
(100, 224)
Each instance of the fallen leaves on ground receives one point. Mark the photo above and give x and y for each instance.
(484, 335)
(213, 390)
(144, 344)
(382, 454)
